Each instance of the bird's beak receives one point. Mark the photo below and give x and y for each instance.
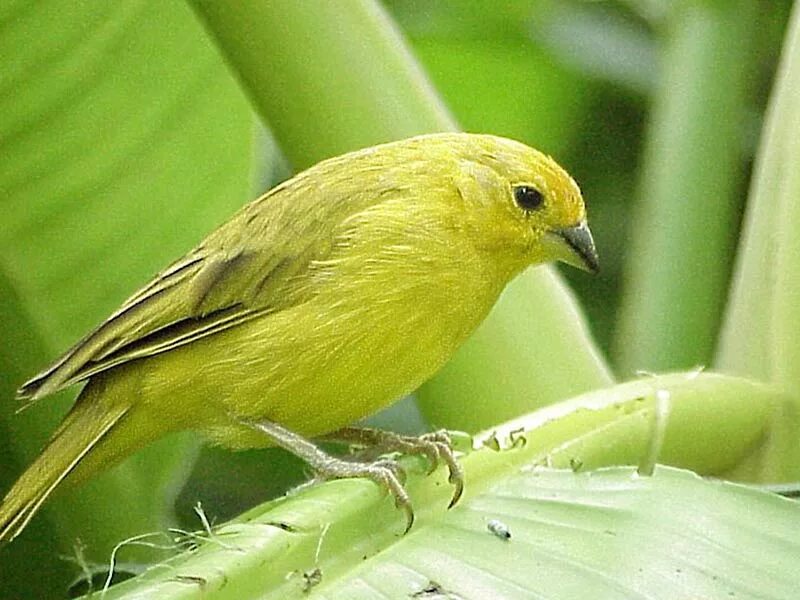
(581, 251)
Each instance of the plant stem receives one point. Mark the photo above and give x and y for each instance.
(325, 79)
(759, 336)
(683, 229)
(264, 553)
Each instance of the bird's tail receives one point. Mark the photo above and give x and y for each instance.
(82, 429)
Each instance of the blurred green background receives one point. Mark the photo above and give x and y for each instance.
(598, 85)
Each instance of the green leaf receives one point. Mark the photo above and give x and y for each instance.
(600, 41)
(680, 254)
(574, 531)
(325, 80)
(759, 336)
(603, 534)
(124, 139)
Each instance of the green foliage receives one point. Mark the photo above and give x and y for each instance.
(562, 526)
(684, 227)
(118, 154)
(590, 530)
(126, 135)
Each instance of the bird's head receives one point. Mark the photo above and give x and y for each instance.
(530, 209)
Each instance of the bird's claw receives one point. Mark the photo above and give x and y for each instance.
(394, 467)
(437, 447)
(388, 474)
(443, 445)
(385, 472)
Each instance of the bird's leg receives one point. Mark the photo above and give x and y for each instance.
(436, 446)
(384, 472)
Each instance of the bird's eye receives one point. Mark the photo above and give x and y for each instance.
(527, 197)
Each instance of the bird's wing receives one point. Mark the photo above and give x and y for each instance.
(240, 272)
(255, 264)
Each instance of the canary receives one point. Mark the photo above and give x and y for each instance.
(333, 294)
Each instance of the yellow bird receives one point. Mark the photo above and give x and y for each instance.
(332, 295)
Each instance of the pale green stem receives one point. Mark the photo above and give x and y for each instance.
(683, 228)
(711, 423)
(325, 79)
(760, 334)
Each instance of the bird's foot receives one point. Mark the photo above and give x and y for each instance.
(435, 446)
(385, 472)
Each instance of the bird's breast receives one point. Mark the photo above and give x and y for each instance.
(362, 340)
